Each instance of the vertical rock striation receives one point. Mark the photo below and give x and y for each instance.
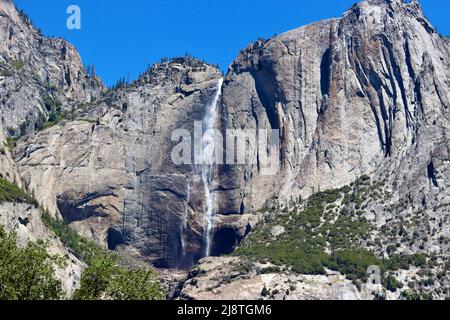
(351, 96)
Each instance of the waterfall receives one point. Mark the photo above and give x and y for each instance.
(209, 159)
(185, 220)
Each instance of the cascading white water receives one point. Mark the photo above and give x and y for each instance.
(209, 159)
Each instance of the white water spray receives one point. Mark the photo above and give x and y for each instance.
(185, 220)
(209, 159)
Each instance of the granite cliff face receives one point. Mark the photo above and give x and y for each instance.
(363, 95)
(349, 96)
(37, 74)
(111, 174)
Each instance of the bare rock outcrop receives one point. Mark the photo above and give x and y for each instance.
(232, 278)
(349, 96)
(38, 74)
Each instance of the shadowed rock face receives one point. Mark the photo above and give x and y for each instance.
(350, 96)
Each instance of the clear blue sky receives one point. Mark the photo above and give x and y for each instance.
(122, 37)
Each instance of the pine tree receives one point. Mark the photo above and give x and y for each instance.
(27, 273)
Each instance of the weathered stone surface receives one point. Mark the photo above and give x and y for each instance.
(367, 93)
(35, 70)
(225, 279)
(8, 168)
(112, 177)
(348, 95)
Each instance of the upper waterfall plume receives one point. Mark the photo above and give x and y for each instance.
(185, 220)
(209, 159)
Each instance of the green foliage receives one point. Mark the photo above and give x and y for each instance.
(106, 279)
(24, 16)
(4, 72)
(301, 260)
(404, 261)
(268, 270)
(9, 69)
(134, 285)
(302, 246)
(331, 220)
(95, 279)
(51, 104)
(411, 295)
(353, 263)
(10, 192)
(27, 273)
(447, 266)
(56, 117)
(391, 283)
(17, 65)
(11, 142)
(56, 114)
(119, 84)
(80, 246)
(264, 292)
(90, 70)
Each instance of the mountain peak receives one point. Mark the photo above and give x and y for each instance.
(380, 12)
(172, 68)
(45, 72)
(394, 6)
